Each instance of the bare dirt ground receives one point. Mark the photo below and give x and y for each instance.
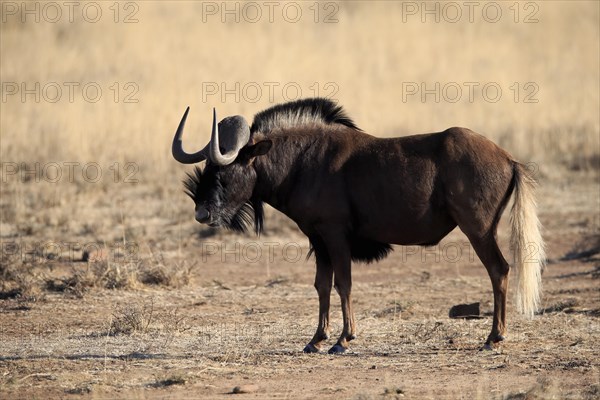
(220, 316)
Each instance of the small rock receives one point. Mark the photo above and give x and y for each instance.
(245, 389)
(466, 311)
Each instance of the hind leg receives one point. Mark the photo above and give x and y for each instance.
(487, 249)
(323, 284)
(476, 194)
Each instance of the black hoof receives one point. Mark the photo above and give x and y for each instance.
(337, 349)
(486, 347)
(491, 341)
(311, 348)
(499, 339)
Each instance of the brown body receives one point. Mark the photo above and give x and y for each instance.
(429, 180)
(354, 195)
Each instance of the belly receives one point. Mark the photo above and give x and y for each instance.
(407, 230)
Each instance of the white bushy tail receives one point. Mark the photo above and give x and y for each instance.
(527, 243)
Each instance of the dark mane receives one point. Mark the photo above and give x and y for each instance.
(250, 212)
(301, 112)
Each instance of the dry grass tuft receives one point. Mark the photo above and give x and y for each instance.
(162, 275)
(145, 319)
(102, 275)
(18, 280)
(132, 319)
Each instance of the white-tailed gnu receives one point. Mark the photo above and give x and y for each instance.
(353, 195)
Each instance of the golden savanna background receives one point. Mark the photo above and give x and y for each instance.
(108, 287)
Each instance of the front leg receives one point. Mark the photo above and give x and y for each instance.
(323, 283)
(338, 250)
(343, 285)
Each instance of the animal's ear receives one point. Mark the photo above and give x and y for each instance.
(258, 149)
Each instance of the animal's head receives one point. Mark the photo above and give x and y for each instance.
(223, 190)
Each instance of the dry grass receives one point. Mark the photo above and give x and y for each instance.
(28, 280)
(18, 279)
(110, 275)
(144, 319)
(132, 319)
(100, 275)
(87, 322)
(559, 54)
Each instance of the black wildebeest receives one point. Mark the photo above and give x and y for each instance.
(353, 195)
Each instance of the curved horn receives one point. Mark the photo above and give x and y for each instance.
(215, 152)
(177, 148)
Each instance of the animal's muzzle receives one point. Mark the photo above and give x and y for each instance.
(202, 215)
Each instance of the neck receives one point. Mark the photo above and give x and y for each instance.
(275, 170)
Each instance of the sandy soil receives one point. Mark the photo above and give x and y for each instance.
(244, 322)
